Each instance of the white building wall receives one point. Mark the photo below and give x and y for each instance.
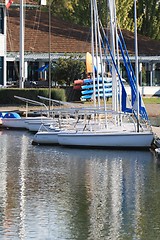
(2, 45)
(146, 91)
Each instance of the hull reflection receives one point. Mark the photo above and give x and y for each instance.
(59, 193)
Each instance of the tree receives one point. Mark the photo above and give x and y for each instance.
(150, 10)
(67, 70)
(148, 17)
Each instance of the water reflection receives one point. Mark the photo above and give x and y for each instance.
(63, 193)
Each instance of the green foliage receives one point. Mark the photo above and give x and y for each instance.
(152, 100)
(81, 12)
(150, 10)
(58, 94)
(124, 13)
(148, 17)
(67, 70)
(7, 95)
(63, 8)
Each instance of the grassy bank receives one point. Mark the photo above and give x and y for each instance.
(147, 100)
(152, 100)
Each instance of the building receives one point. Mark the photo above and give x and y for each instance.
(65, 39)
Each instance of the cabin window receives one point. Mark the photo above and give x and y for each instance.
(1, 70)
(1, 21)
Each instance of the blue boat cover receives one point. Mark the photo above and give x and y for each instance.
(2, 114)
(12, 115)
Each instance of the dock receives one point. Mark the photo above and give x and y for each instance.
(156, 131)
(156, 144)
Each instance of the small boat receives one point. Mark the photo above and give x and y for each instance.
(48, 133)
(90, 91)
(33, 125)
(14, 120)
(110, 139)
(90, 86)
(20, 123)
(90, 96)
(46, 137)
(118, 130)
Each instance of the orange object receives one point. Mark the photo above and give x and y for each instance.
(88, 63)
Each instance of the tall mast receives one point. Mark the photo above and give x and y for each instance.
(113, 47)
(136, 62)
(22, 77)
(100, 55)
(96, 46)
(92, 48)
(49, 46)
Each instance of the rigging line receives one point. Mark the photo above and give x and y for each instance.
(35, 16)
(131, 76)
(37, 27)
(9, 34)
(105, 47)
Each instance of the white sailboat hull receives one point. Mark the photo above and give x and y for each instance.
(113, 140)
(18, 123)
(33, 126)
(46, 138)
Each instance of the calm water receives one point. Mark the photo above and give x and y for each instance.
(61, 193)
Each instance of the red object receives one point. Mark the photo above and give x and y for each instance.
(9, 4)
(79, 81)
(77, 87)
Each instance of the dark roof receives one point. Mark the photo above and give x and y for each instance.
(65, 37)
(146, 45)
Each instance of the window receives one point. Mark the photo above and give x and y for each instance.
(1, 21)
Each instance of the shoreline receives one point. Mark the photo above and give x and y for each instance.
(153, 109)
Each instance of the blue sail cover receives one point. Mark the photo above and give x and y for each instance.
(132, 80)
(124, 93)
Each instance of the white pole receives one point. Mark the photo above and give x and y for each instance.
(92, 48)
(5, 50)
(100, 53)
(22, 78)
(113, 44)
(136, 62)
(96, 48)
(49, 45)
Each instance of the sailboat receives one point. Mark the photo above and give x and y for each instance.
(127, 125)
(15, 121)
